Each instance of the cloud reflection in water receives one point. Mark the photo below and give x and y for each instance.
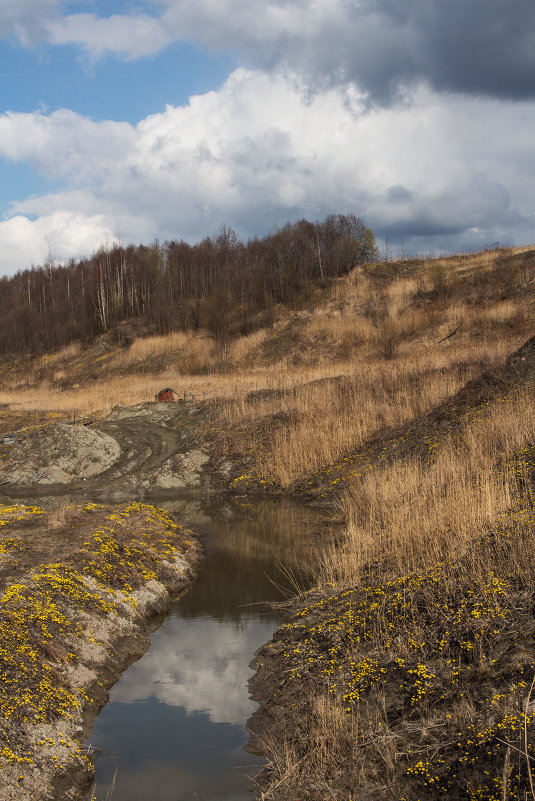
(201, 665)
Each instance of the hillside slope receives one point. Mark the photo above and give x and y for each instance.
(290, 406)
(402, 396)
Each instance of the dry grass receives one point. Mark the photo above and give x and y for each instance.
(332, 418)
(181, 350)
(382, 347)
(413, 514)
(405, 672)
(384, 336)
(427, 684)
(131, 389)
(100, 396)
(366, 358)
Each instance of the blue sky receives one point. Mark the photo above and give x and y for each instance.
(51, 78)
(113, 89)
(130, 121)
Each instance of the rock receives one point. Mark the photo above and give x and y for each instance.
(59, 455)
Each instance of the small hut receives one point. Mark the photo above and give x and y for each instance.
(165, 395)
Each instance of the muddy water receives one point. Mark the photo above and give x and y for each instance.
(174, 728)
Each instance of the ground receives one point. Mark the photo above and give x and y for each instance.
(401, 401)
(149, 447)
(78, 586)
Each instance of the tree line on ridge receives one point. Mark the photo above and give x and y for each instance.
(221, 284)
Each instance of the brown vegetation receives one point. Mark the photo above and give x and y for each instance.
(406, 672)
(409, 666)
(389, 394)
(220, 284)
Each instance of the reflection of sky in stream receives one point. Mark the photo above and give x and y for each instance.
(200, 665)
(174, 726)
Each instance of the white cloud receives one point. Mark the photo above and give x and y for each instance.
(201, 665)
(240, 24)
(260, 151)
(234, 24)
(64, 143)
(62, 234)
(477, 48)
(126, 36)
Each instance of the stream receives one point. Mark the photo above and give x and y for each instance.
(174, 727)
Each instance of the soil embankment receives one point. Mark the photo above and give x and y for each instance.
(151, 447)
(411, 675)
(79, 587)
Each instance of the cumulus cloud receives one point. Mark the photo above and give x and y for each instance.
(27, 20)
(261, 151)
(62, 235)
(202, 666)
(474, 46)
(63, 143)
(470, 46)
(127, 36)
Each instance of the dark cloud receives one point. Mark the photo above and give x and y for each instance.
(418, 228)
(480, 47)
(398, 194)
(429, 231)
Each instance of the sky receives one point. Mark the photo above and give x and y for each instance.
(136, 120)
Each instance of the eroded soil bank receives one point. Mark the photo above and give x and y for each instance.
(79, 586)
(410, 678)
(148, 448)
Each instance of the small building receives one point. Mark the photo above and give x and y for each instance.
(165, 395)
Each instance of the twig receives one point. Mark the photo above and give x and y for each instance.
(510, 745)
(448, 336)
(526, 737)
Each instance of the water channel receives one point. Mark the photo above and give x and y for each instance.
(174, 728)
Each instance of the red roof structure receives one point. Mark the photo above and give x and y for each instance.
(165, 395)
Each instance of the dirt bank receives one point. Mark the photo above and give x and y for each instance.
(79, 588)
(411, 677)
(151, 447)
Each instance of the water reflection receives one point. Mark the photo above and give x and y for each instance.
(174, 726)
(199, 664)
(254, 554)
(160, 752)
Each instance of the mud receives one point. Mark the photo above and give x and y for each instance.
(151, 447)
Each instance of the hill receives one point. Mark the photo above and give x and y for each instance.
(400, 395)
(363, 355)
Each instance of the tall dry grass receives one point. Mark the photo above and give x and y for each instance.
(192, 352)
(408, 342)
(408, 517)
(368, 356)
(413, 514)
(464, 514)
(103, 394)
(333, 418)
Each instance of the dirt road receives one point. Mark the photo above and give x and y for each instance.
(136, 450)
